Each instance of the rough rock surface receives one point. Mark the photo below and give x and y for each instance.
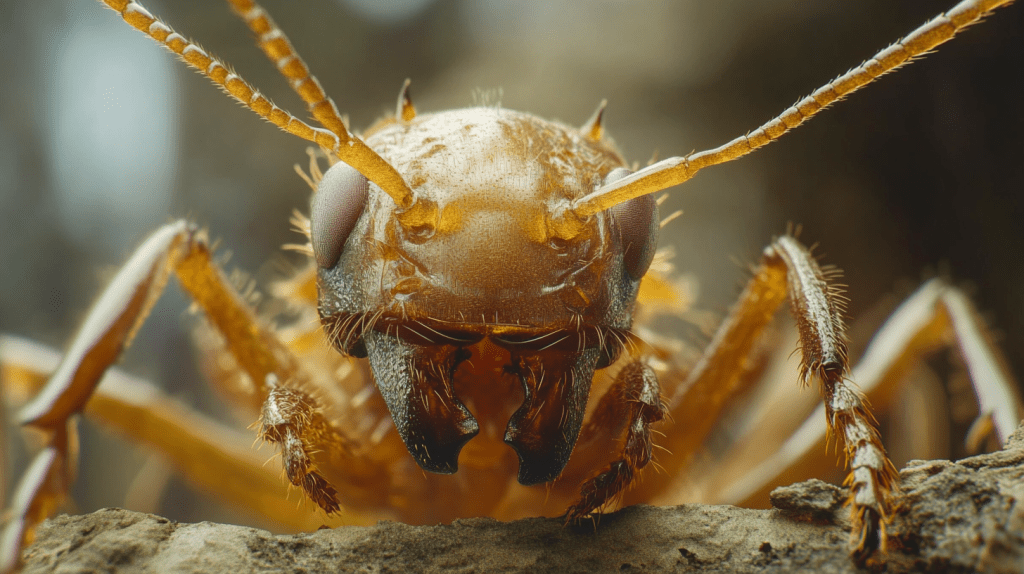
(963, 516)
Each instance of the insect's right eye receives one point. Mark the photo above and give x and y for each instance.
(638, 225)
(339, 201)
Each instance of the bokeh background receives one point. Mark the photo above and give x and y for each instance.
(104, 136)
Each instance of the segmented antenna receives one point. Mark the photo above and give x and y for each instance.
(676, 170)
(275, 44)
(282, 54)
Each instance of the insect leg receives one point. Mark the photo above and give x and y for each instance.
(123, 306)
(43, 486)
(724, 371)
(816, 309)
(309, 444)
(108, 328)
(788, 270)
(936, 315)
(634, 399)
(940, 314)
(121, 309)
(40, 492)
(215, 458)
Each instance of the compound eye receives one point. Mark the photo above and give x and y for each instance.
(638, 223)
(339, 201)
(615, 175)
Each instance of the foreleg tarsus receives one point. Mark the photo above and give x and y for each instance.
(637, 388)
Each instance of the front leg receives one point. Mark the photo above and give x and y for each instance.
(111, 323)
(634, 400)
(214, 458)
(786, 270)
(113, 320)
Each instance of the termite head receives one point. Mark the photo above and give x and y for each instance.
(489, 248)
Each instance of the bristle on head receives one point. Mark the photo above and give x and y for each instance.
(405, 111)
(593, 128)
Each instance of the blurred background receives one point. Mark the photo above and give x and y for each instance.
(104, 136)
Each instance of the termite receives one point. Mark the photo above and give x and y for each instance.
(723, 257)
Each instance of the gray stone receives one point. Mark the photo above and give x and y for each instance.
(961, 516)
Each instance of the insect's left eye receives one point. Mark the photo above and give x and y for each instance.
(339, 201)
(638, 223)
